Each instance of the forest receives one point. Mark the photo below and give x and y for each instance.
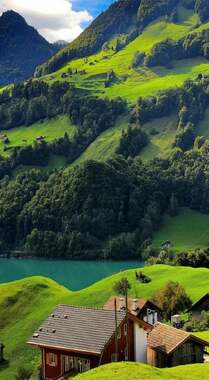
(102, 210)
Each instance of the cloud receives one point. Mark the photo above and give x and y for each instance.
(54, 19)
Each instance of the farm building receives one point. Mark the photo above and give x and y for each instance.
(141, 308)
(198, 307)
(75, 339)
(169, 347)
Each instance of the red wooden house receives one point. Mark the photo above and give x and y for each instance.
(75, 339)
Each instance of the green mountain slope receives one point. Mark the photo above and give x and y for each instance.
(132, 83)
(25, 303)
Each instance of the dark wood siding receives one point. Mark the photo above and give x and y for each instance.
(110, 348)
(188, 353)
(53, 372)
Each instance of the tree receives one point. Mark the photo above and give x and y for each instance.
(172, 299)
(122, 286)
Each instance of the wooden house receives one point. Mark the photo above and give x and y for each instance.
(75, 339)
(140, 308)
(198, 307)
(169, 347)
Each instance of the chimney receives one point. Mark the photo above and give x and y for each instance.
(134, 304)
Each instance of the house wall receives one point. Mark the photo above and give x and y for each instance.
(110, 348)
(157, 316)
(140, 344)
(49, 372)
(188, 353)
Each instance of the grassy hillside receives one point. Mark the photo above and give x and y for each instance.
(105, 145)
(25, 303)
(188, 230)
(122, 371)
(50, 129)
(132, 83)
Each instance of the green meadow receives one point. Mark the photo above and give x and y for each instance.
(132, 83)
(188, 230)
(25, 303)
(135, 371)
(49, 129)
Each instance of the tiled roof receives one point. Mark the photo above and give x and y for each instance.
(166, 338)
(77, 329)
(134, 305)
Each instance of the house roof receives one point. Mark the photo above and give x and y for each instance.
(77, 329)
(167, 339)
(135, 305)
(202, 299)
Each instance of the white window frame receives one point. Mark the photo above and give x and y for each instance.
(51, 359)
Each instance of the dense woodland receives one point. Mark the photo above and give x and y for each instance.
(104, 210)
(100, 209)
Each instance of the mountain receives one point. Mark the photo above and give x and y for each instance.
(22, 48)
(124, 16)
(138, 108)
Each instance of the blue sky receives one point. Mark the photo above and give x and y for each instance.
(57, 19)
(93, 6)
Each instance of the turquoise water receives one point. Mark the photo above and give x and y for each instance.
(74, 275)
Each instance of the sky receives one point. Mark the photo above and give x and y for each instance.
(57, 19)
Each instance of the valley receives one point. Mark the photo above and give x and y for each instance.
(104, 183)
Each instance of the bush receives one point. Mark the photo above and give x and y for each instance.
(23, 374)
(172, 299)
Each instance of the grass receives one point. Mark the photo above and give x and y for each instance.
(25, 303)
(105, 145)
(161, 134)
(133, 83)
(188, 230)
(51, 129)
(123, 371)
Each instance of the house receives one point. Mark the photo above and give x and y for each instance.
(75, 339)
(169, 347)
(140, 308)
(198, 307)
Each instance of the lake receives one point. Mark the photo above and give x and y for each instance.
(74, 275)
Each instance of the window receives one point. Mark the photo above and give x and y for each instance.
(119, 332)
(125, 329)
(51, 359)
(68, 363)
(83, 365)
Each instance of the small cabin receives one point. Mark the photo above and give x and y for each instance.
(141, 308)
(198, 307)
(169, 347)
